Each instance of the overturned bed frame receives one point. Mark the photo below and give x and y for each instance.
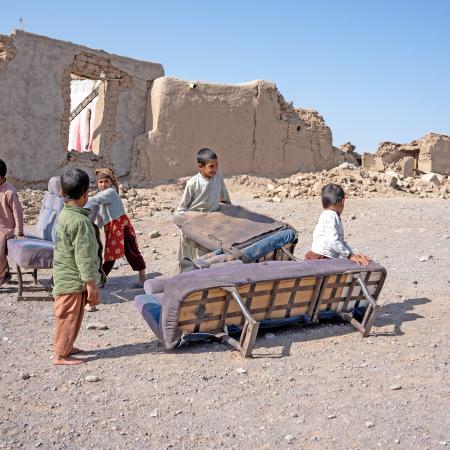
(303, 299)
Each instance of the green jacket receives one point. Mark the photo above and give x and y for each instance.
(78, 252)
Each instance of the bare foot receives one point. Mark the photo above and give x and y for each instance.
(90, 308)
(67, 361)
(75, 351)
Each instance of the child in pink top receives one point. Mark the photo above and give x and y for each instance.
(11, 219)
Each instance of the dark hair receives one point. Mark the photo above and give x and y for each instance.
(332, 194)
(74, 183)
(3, 168)
(204, 155)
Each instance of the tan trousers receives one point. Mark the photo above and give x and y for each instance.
(69, 310)
(188, 249)
(4, 236)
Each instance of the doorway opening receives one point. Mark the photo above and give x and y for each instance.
(87, 103)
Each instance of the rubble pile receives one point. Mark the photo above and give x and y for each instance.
(356, 181)
(146, 202)
(141, 203)
(31, 201)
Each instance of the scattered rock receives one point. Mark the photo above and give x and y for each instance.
(425, 258)
(395, 387)
(431, 178)
(92, 378)
(154, 413)
(96, 326)
(269, 335)
(289, 437)
(331, 416)
(25, 375)
(155, 234)
(369, 424)
(241, 370)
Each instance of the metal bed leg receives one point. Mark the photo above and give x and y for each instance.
(250, 329)
(373, 309)
(19, 283)
(290, 255)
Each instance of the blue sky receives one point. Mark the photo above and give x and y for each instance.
(376, 70)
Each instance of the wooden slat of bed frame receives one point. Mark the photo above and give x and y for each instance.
(344, 296)
(217, 309)
(210, 312)
(292, 297)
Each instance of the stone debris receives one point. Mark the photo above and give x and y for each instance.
(241, 370)
(25, 375)
(92, 378)
(96, 326)
(431, 178)
(395, 387)
(356, 181)
(430, 153)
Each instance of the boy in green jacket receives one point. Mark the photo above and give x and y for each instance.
(76, 265)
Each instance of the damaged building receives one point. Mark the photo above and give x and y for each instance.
(431, 153)
(63, 103)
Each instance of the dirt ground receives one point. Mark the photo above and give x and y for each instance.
(318, 387)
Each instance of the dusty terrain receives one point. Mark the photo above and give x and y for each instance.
(317, 387)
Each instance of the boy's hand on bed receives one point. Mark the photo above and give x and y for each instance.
(93, 293)
(360, 259)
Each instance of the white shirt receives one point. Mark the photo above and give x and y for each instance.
(204, 194)
(328, 236)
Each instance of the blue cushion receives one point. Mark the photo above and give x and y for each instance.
(150, 308)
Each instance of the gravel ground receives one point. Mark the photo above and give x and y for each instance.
(317, 387)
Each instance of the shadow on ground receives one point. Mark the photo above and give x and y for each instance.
(392, 314)
(121, 289)
(397, 313)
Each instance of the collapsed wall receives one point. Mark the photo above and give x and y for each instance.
(253, 129)
(144, 124)
(35, 76)
(430, 153)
